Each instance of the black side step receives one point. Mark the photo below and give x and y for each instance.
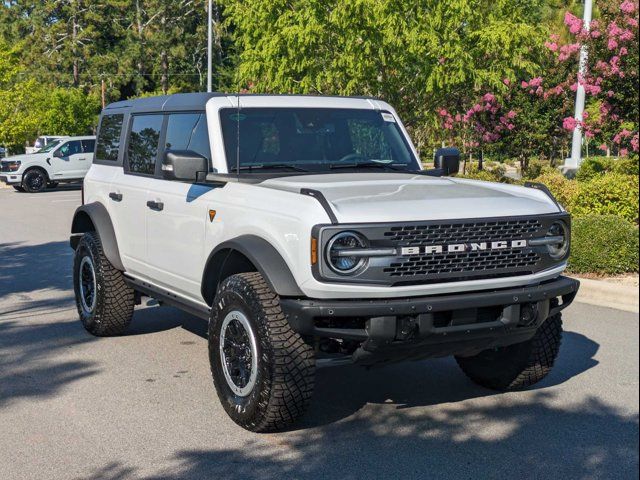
(167, 297)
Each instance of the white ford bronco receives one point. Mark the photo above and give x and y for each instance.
(65, 159)
(306, 232)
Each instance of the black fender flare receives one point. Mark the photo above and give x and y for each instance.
(263, 257)
(95, 217)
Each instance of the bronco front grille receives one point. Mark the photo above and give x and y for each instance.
(462, 233)
(418, 265)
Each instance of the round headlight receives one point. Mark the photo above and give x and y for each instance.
(558, 250)
(338, 256)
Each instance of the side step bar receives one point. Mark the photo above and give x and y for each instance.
(167, 297)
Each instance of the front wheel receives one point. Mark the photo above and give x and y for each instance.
(34, 181)
(517, 366)
(262, 370)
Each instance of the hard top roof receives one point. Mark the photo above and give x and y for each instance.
(193, 101)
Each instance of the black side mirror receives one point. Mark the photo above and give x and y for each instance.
(447, 160)
(183, 165)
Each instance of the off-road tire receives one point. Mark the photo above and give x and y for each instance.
(114, 301)
(286, 364)
(35, 180)
(517, 366)
(18, 188)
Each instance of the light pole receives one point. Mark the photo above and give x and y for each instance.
(209, 47)
(573, 162)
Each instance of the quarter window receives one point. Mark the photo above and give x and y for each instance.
(109, 137)
(188, 131)
(142, 149)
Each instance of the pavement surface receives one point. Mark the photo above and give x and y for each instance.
(73, 406)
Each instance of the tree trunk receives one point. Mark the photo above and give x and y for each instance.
(164, 66)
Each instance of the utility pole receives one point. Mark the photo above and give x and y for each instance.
(210, 46)
(573, 162)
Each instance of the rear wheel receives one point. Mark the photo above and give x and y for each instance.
(104, 301)
(262, 370)
(34, 180)
(517, 366)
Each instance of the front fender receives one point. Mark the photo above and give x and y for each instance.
(261, 255)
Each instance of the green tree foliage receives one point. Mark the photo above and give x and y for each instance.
(416, 54)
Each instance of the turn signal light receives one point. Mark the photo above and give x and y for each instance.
(314, 251)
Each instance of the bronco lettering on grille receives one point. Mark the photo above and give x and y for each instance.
(464, 247)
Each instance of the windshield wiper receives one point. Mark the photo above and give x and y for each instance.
(384, 166)
(268, 166)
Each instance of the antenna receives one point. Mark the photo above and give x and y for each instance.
(238, 136)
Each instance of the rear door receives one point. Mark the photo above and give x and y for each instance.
(175, 233)
(88, 148)
(128, 195)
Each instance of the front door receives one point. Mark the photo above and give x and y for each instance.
(67, 160)
(176, 233)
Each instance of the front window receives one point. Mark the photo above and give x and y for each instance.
(50, 146)
(314, 140)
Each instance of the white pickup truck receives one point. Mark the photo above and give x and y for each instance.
(306, 232)
(65, 159)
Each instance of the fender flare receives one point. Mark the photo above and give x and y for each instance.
(263, 256)
(95, 217)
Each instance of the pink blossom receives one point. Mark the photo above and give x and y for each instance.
(458, 117)
(624, 152)
(632, 22)
(612, 44)
(535, 82)
(592, 89)
(624, 51)
(634, 142)
(574, 87)
(442, 112)
(626, 35)
(613, 29)
(553, 46)
(569, 123)
(511, 114)
(627, 6)
(524, 84)
(595, 33)
(488, 97)
(603, 147)
(610, 93)
(506, 81)
(573, 22)
(589, 134)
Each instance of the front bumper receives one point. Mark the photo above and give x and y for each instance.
(420, 327)
(11, 178)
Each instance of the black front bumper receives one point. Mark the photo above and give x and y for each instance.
(420, 327)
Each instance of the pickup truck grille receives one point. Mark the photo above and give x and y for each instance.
(414, 263)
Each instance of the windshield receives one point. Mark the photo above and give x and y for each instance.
(50, 146)
(314, 139)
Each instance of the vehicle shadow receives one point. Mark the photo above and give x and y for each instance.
(27, 268)
(528, 436)
(29, 367)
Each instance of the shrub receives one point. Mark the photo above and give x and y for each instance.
(563, 189)
(602, 244)
(493, 172)
(594, 166)
(610, 194)
(535, 168)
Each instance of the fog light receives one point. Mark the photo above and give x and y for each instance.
(528, 314)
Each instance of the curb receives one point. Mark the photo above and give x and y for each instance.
(608, 294)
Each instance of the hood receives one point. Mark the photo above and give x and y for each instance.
(394, 197)
(25, 157)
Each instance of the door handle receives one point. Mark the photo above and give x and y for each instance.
(157, 206)
(83, 158)
(117, 197)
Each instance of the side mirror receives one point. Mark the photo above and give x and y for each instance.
(447, 160)
(183, 165)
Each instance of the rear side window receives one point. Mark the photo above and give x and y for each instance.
(109, 137)
(144, 138)
(188, 131)
(88, 146)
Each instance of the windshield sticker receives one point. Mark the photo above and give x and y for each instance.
(387, 117)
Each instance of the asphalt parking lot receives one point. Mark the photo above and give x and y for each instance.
(143, 405)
